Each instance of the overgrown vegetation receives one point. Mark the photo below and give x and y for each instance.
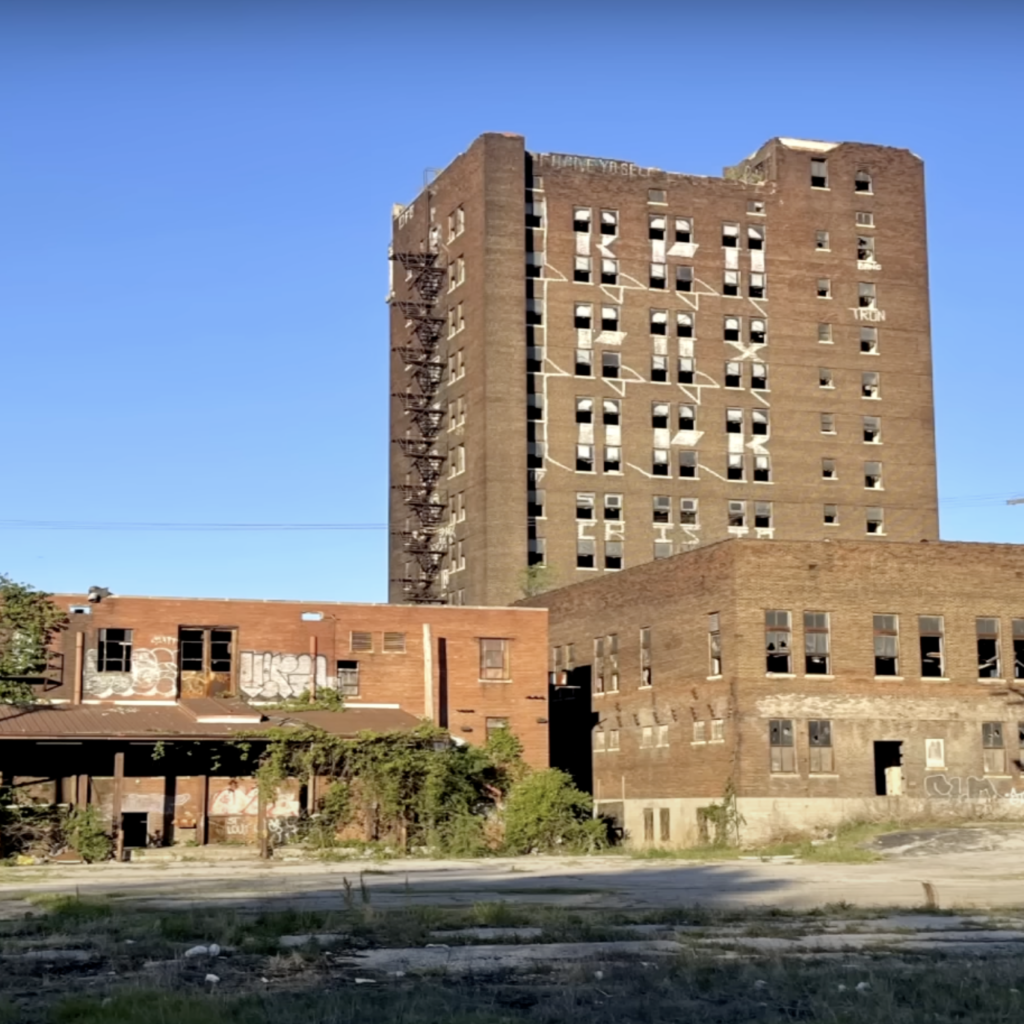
(43, 830)
(719, 824)
(29, 620)
(418, 790)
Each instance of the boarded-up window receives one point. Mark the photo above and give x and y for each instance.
(360, 641)
(348, 678)
(665, 824)
(205, 659)
(649, 824)
(493, 659)
(394, 643)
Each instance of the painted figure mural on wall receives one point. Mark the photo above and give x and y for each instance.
(153, 673)
(270, 675)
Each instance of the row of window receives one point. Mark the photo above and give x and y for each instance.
(862, 180)
(658, 319)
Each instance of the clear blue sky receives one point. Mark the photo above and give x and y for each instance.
(195, 210)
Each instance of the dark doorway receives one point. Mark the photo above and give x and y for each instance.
(570, 724)
(888, 754)
(135, 829)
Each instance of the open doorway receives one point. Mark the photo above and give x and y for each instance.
(888, 755)
(135, 829)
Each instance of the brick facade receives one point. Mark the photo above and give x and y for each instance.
(512, 379)
(683, 737)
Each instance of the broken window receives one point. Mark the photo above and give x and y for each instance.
(609, 271)
(869, 339)
(819, 742)
(609, 318)
(874, 521)
(887, 630)
(688, 464)
(988, 649)
(734, 467)
(993, 748)
(662, 511)
(583, 316)
(731, 283)
(759, 421)
(612, 458)
(534, 265)
(872, 430)
(1018, 650)
(688, 511)
(828, 423)
(686, 370)
(584, 458)
(756, 289)
(611, 412)
(535, 451)
(931, 631)
(581, 269)
(684, 229)
(763, 515)
(494, 659)
(659, 462)
(778, 643)
(348, 678)
(581, 219)
(732, 328)
(684, 279)
(830, 516)
(865, 220)
(714, 645)
(762, 469)
(873, 475)
(584, 506)
(584, 410)
(114, 652)
(687, 417)
(662, 549)
(584, 553)
(613, 554)
(737, 513)
(865, 249)
(584, 362)
(205, 661)
(866, 295)
(657, 195)
(824, 288)
(759, 376)
(758, 335)
(656, 226)
(862, 182)
(645, 656)
(825, 334)
(816, 643)
(819, 174)
(821, 240)
(609, 222)
(755, 237)
(659, 369)
(780, 742)
(755, 206)
(825, 377)
(610, 362)
(733, 375)
(613, 506)
(828, 469)
(534, 313)
(684, 325)
(734, 421)
(657, 278)
(659, 415)
(659, 321)
(730, 235)
(870, 384)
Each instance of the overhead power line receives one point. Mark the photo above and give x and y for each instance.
(70, 524)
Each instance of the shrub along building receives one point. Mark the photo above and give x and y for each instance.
(596, 364)
(820, 681)
(149, 695)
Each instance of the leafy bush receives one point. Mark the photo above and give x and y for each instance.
(545, 812)
(86, 835)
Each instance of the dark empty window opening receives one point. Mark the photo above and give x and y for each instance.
(874, 521)
(584, 362)
(584, 458)
(609, 222)
(610, 362)
(687, 417)
(659, 321)
(734, 421)
(646, 678)
(613, 554)
(609, 318)
(993, 748)
(659, 415)
(731, 283)
(612, 459)
(656, 227)
(733, 375)
(734, 467)
(988, 649)
(584, 410)
(581, 219)
(684, 279)
(886, 629)
(348, 678)
(659, 462)
(662, 511)
(816, 643)
(862, 182)
(759, 422)
(730, 235)
(609, 271)
(583, 316)
(115, 650)
(585, 553)
(930, 629)
(763, 515)
(686, 370)
(611, 412)
(778, 642)
(819, 174)
(1018, 650)
(684, 325)
(732, 328)
(684, 229)
(581, 270)
(759, 377)
(659, 369)
(205, 661)
(657, 278)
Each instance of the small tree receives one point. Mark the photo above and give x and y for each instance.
(29, 620)
(536, 579)
(545, 811)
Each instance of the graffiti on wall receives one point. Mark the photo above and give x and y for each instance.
(952, 787)
(270, 675)
(154, 673)
(233, 798)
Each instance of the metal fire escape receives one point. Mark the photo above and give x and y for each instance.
(423, 540)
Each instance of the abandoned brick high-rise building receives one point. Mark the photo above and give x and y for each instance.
(596, 364)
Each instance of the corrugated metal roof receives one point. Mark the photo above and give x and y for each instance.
(122, 721)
